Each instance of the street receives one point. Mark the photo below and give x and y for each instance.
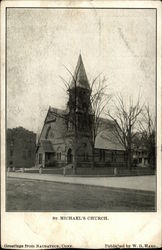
(129, 182)
(40, 195)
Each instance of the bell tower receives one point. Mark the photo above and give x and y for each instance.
(80, 113)
(79, 104)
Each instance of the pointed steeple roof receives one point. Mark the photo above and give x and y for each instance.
(80, 76)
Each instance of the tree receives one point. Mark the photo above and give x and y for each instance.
(125, 118)
(147, 131)
(98, 102)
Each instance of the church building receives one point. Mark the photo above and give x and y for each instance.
(66, 136)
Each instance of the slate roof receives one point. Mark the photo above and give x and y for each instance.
(80, 76)
(106, 140)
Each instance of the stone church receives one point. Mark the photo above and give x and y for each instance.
(66, 136)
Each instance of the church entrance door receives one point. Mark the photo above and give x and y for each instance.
(69, 156)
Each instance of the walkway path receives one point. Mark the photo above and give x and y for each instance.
(147, 183)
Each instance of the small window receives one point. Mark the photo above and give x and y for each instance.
(125, 156)
(114, 156)
(11, 152)
(140, 160)
(102, 155)
(40, 158)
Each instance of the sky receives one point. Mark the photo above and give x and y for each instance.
(119, 44)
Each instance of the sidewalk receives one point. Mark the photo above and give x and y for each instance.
(147, 183)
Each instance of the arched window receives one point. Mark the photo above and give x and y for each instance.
(69, 156)
(47, 133)
(58, 155)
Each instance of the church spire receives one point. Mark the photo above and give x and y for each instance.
(80, 76)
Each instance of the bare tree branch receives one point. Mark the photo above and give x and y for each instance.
(125, 118)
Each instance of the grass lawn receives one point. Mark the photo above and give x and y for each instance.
(34, 195)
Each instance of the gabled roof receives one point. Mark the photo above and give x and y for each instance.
(51, 117)
(53, 113)
(104, 140)
(80, 76)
